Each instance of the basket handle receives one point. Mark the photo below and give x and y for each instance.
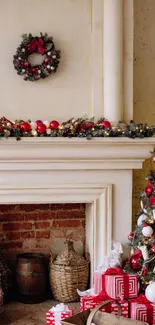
(93, 312)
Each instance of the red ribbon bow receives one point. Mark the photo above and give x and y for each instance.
(142, 299)
(36, 43)
(114, 271)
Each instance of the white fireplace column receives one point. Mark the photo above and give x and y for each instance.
(118, 59)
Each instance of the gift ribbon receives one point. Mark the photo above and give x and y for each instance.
(149, 308)
(117, 271)
(36, 44)
(97, 300)
(57, 310)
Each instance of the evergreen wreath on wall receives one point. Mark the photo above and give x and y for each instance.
(43, 45)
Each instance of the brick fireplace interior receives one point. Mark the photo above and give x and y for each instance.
(40, 228)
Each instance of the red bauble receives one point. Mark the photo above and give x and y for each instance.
(106, 124)
(145, 270)
(87, 126)
(148, 190)
(39, 122)
(54, 125)
(130, 236)
(153, 249)
(26, 64)
(25, 126)
(35, 70)
(152, 200)
(134, 262)
(41, 128)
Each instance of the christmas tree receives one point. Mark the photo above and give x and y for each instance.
(142, 240)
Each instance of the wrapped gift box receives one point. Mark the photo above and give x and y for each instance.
(117, 284)
(97, 282)
(141, 309)
(90, 302)
(57, 313)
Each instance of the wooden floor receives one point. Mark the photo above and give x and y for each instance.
(21, 314)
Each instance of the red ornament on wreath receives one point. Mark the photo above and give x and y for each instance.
(42, 45)
(54, 125)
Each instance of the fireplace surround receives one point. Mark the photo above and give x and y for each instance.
(96, 172)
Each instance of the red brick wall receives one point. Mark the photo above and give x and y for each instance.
(41, 227)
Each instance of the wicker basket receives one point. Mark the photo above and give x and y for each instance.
(68, 272)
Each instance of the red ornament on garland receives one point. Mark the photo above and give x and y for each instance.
(148, 190)
(106, 124)
(135, 262)
(41, 128)
(39, 122)
(87, 126)
(1, 128)
(54, 125)
(25, 126)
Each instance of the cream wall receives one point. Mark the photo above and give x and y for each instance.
(144, 80)
(68, 92)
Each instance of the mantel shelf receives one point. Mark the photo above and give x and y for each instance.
(75, 153)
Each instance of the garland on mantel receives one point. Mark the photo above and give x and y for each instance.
(80, 128)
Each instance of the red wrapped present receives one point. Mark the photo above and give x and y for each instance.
(90, 302)
(119, 285)
(141, 309)
(57, 313)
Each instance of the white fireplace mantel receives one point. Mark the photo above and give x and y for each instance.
(63, 153)
(97, 172)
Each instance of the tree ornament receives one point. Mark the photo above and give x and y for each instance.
(135, 262)
(148, 190)
(140, 220)
(145, 252)
(54, 125)
(145, 271)
(150, 292)
(153, 248)
(42, 45)
(41, 128)
(152, 200)
(25, 126)
(147, 231)
(131, 235)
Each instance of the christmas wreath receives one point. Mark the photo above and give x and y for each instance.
(43, 45)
